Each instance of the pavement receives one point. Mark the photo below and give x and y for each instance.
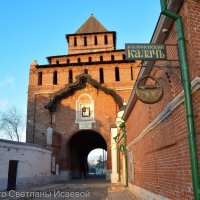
(88, 189)
(121, 195)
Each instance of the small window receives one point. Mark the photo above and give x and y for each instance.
(123, 57)
(79, 60)
(101, 75)
(131, 73)
(101, 58)
(68, 60)
(39, 78)
(90, 59)
(112, 57)
(75, 41)
(95, 40)
(117, 78)
(70, 76)
(55, 78)
(86, 111)
(85, 41)
(105, 39)
(86, 71)
(57, 61)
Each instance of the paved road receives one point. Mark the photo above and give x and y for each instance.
(94, 189)
(121, 195)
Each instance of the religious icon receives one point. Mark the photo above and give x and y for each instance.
(86, 111)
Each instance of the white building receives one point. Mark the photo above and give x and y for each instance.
(24, 165)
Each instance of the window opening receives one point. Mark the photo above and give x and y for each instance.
(117, 78)
(105, 39)
(40, 78)
(101, 75)
(70, 76)
(75, 41)
(55, 77)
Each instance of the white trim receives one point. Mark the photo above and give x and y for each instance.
(195, 85)
(79, 106)
(122, 88)
(84, 94)
(50, 92)
(141, 193)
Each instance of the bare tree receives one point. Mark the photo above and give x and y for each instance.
(12, 123)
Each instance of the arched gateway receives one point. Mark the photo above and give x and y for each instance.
(73, 100)
(80, 145)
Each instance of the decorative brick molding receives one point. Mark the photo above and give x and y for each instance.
(80, 83)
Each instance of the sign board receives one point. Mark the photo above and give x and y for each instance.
(85, 125)
(145, 52)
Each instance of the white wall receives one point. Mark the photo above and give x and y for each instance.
(34, 163)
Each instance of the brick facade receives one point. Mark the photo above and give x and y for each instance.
(104, 64)
(157, 134)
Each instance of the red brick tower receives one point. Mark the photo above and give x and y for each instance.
(73, 100)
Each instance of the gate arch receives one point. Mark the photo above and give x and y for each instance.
(81, 144)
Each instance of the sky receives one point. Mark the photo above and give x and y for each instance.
(34, 29)
(95, 154)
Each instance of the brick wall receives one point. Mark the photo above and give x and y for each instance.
(161, 156)
(63, 120)
(80, 47)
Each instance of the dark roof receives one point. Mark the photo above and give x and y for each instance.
(85, 63)
(87, 53)
(92, 25)
(80, 83)
(22, 143)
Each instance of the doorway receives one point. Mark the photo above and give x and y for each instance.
(12, 175)
(81, 144)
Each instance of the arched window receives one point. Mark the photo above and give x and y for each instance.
(90, 59)
(101, 75)
(117, 78)
(39, 78)
(105, 39)
(95, 40)
(75, 41)
(55, 78)
(70, 76)
(85, 41)
(79, 60)
(101, 58)
(68, 60)
(84, 108)
(123, 56)
(112, 57)
(57, 61)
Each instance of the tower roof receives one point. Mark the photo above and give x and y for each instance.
(92, 25)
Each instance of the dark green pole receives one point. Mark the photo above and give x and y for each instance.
(123, 128)
(188, 98)
(118, 163)
(116, 138)
(125, 158)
